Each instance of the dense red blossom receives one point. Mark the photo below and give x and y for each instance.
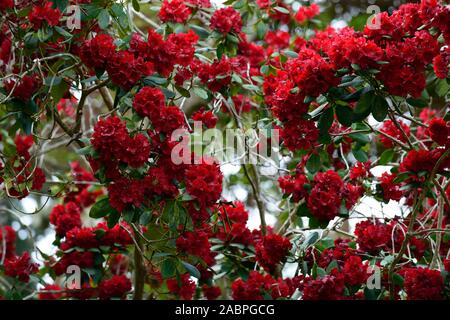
(226, 20)
(195, 243)
(97, 52)
(207, 118)
(185, 289)
(328, 287)
(7, 241)
(174, 11)
(423, 284)
(45, 13)
(391, 190)
(305, 13)
(115, 287)
(50, 292)
(204, 183)
(272, 250)
(439, 130)
(211, 293)
(65, 218)
(148, 102)
(393, 131)
(257, 286)
(24, 88)
(125, 69)
(20, 267)
(124, 192)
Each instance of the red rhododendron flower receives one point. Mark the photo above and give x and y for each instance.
(148, 102)
(272, 250)
(48, 292)
(98, 52)
(391, 130)
(65, 218)
(204, 182)
(226, 20)
(174, 11)
(116, 287)
(39, 14)
(185, 289)
(329, 287)
(24, 88)
(20, 267)
(423, 284)
(439, 131)
(125, 69)
(307, 12)
(6, 4)
(211, 293)
(8, 241)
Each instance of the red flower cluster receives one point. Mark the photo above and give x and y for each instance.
(97, 52)
(65, 218)
(116, 287)
(391, 190)
(272, 250)
(326, 194)
(226, 20)
(20, 267)
(204, 182)
(328, 287)
(257, 286)
(234, 219)
(125, 69)
(185, 289)
(196, 243)
(392, 131)
(178, 49)
(46, 294)
(216, 75)
(8, 238)
(207, 118)
(24, 88)
(311, 73)
(6, 4)
(439, 131)
(423, 284)
(373, 237)
(305, 13)
(45, 13)
(174, 11)
(423, 160)
(113, 143)
(148, 102)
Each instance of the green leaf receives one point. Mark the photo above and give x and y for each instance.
(201, 93)
(113, 218)
(101, 209)
(380, 108)
(325, 122)
(360, 155)
(386, 156)
(168, 268)
(103, 19)
(136, 5)
(418, 103)
(313, 164)
(193, 271)
(201, 32)
(344, 115)
(311, 239)
(363, 107)
(282, 10)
